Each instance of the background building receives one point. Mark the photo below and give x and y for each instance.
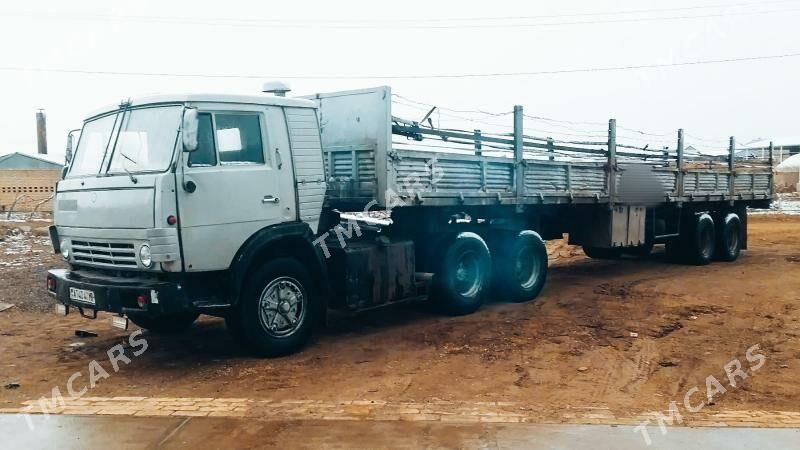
(784, 148)
(29, 180)
(787, 175)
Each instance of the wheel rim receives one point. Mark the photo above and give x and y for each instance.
(526, 267)
(706, 241)
(282, 307)
(468, 274)
(732, 238)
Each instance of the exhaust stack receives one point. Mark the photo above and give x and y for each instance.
(41, 132)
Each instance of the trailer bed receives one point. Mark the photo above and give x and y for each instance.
(373, 156)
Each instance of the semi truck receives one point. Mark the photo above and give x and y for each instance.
(271, 211)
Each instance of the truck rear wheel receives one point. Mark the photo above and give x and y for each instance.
(729, 238)
(699, 241)
(171, 323)
(278, 309)
(520, 266)
(463, 276)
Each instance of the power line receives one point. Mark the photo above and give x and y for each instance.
(641, 136)
(644, 136)
(421, 24)
(464, 111)
(402, 77)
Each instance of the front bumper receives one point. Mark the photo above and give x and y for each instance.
(118, 294)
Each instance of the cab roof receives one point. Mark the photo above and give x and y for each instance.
(265, 99)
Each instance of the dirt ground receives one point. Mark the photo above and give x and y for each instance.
(628, 335)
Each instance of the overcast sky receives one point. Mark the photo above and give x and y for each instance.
(361, 38)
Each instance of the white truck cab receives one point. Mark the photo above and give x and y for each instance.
(166, 195)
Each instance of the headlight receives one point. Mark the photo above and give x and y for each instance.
(65, 249)
(144, 255)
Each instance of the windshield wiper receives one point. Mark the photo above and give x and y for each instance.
(133, 178)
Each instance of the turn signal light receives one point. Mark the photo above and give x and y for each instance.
(172, 220)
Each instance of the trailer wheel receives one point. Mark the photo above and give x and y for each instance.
(699, 241)
(463, 275)
(602, 253)
(171, 323)
(520, 266)
(278, 309)
(729, 238)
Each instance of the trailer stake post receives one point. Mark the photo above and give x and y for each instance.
(731, 171)
(519, 173)
(679, 189)
(611, 166)
(771, 166)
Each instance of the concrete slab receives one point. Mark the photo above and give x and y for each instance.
(82, 432)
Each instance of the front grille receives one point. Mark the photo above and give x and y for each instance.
(109, 254)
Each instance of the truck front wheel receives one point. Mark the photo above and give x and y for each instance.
(278, 309)
(520, 266)
(464, 274)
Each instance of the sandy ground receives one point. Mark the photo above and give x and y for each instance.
(625, 335)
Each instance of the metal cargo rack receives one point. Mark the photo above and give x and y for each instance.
(371, 155)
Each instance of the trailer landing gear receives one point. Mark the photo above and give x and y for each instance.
(696, 243)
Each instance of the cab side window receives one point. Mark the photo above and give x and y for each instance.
(238, 138)
(206, 154)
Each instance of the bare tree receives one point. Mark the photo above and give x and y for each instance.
(14, 204)
(39, 204)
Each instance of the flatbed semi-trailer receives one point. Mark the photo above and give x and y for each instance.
(269, 211)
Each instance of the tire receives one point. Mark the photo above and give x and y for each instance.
(520, 263)
(463, 275)
(699, 241)
(171, 323)
(602, 253)
(729, 238)
(278, 309)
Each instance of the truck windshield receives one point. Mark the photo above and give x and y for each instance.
(143, 140)
(91, 146)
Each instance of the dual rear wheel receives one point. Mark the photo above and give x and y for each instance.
(515, 269)
(703, 240)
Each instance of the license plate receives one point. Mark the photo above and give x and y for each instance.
(81, 295)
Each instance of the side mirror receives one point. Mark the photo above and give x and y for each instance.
(189, 129)
(64, 172)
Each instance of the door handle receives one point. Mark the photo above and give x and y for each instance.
(270, 199)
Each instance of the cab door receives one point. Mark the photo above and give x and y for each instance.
(230, 187)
